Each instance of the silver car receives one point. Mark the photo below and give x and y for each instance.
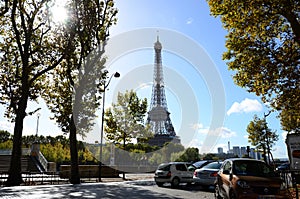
(174, 173)
(207, 175)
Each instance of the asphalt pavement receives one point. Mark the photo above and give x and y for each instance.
(135, 186)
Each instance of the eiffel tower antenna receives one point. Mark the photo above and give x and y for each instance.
(159, 116)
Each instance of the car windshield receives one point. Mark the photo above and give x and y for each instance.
(213, 165)
(252, 168)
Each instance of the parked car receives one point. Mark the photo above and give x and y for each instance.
(200, 164)
(207, 175)
(248, 178)
(174, 173)
(283, 167)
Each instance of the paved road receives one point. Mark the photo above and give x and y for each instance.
(135, 189)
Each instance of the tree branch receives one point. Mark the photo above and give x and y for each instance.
(4, 9)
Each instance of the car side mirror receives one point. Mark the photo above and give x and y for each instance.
(230, 176)
(226, 172)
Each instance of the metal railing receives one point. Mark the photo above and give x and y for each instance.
(290, 182)
(43, 161)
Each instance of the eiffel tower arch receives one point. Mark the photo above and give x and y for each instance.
(159, 116)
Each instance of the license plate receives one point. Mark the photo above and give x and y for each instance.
(267, 197)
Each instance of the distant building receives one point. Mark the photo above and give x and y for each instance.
(258, 156)
(220, 150)
(236, 151)
(240, 151)
(243, 151)
(253, 153)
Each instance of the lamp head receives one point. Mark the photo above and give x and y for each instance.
(117, 74)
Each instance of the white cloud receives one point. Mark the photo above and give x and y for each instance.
(202, 132)
(223, 132)
(283, 135)
(197, 126)
(280, 152)
(195, 143)
(27, 130)
(189, 20)
(246, 106)
(7, 126)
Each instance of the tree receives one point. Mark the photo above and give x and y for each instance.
(28, 50)
(73, 94)
(190, 155)
(4, 136)
(260, 136)
(125, 119)
(28, 140)
(169, 152)
(263, 49)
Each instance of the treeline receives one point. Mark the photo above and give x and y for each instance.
(57, 149)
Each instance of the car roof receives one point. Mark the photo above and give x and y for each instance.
(174, 163)
(179, 163)
(242, 159)
(201, 162)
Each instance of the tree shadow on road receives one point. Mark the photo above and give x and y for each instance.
(192, 187)
(96, 190)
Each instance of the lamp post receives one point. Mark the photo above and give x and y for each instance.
(37, 124)
(267, 159)
(116, 75)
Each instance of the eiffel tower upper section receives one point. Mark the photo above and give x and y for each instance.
(159, 116)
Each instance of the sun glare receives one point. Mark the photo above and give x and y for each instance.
(59, 12)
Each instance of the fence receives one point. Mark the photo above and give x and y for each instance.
(34, 178)
(291, 181)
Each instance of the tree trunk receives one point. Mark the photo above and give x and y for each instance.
(14, 173)
(75, 178)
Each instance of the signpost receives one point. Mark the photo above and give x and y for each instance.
(293, 145)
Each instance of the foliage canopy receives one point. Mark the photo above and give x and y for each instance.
(260, 136)
(125, 119)
(263, 49)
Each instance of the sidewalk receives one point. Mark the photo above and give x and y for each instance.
(42, 180)
(108, 188)
(130, 177)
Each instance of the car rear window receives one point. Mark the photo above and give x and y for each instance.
(213, 165)
(164, 167)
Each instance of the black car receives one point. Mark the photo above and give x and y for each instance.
(283, 167)
(199, 164)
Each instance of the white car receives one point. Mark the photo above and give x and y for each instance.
(174, 173)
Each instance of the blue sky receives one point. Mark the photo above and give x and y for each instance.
(194, 99)
(192, 19)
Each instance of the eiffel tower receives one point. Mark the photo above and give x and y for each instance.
(159, 116)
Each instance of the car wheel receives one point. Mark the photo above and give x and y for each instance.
(160, 184)
(217, 192)
(232, 195)
(205, 187)
(175, 182)
(189, 184)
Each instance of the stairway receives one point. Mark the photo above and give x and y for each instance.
(27, 164)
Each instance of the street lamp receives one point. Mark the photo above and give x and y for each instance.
(116, 75)
(37, 124)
